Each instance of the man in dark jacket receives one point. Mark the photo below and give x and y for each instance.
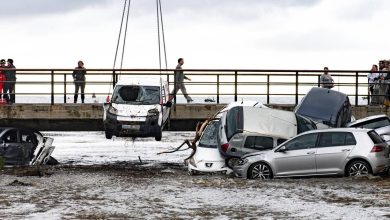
(79, 80)
(9, 85)
(179, 81)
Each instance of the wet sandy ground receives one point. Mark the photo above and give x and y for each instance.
(166, 191)
(103, 179)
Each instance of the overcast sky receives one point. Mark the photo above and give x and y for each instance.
(245, 34)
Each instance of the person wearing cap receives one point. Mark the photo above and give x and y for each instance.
(79, 80)
(9, 85)
(2, 79)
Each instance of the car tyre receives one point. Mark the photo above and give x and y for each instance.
(108, 134)
(358, 168)
(231, 161)
(260, 171)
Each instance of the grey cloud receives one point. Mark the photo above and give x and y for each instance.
(39, 7)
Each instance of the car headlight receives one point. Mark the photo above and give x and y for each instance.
(192, 161)
(242, 162)
(112, 110)
(153, 112)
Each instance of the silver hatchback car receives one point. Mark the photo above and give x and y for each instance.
(342, 151)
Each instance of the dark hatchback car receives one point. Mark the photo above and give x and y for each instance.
(326, 106)
(19, 146)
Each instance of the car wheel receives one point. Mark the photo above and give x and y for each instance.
(260, 171)
(52, 161)
(158, 136)
(358, 168)
(232, 161)
(108, 134)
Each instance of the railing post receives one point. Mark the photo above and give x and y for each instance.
(268, 78)
(296, 88)
(65, 88)
(319, 81)
(356, 89)
(52, 87)
(217, 88)
(235, 86)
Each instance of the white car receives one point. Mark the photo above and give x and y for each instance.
(207, 157)
(381, 124)
(139, 107)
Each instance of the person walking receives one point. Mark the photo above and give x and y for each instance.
(2, 79)
(179, 81)
(79, 80)
(9, 85)
(326, 79)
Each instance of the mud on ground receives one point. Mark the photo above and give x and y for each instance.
(165, 190)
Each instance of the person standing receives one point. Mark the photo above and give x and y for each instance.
(2, 79)
(79, 80)
(326, 79)
(9, 85)
(373, 85)
(179, 81)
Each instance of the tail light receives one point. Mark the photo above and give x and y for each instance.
(377, 148)
(225, 147)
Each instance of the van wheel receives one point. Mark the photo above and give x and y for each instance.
(158, 136)
(358, 168)
(231, 161)
(260, 171)
(108, 134)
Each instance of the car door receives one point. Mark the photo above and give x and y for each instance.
(332, 150)
(299, 157)
(257, 143)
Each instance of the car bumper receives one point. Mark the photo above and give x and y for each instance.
(210, 167)
(147, 128)
(240, 171)
(380, 165)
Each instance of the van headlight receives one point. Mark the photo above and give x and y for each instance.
(153, 112)
(112, 110)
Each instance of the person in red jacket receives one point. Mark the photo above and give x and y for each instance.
(2, 79)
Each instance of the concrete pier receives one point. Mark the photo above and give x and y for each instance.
(88, 117)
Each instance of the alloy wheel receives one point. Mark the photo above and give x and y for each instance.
(358, 169)
(261, 171)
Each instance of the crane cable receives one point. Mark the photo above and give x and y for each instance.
(160, 23)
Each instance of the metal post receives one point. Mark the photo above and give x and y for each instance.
(296, 88)
(65, 88)
(319, 81)
(52, 87)
(356, 89)
(217, 88)
(235, 86)
(268, 77)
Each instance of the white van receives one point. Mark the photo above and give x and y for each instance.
(139, 107)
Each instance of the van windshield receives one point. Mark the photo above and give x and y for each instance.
(136, 95)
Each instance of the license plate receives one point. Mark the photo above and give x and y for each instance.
(131, 127)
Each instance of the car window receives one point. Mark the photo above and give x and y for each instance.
(304, 124)
(373, 124)
(209, 137)
(10, 136)
(375, 137)
(234, 122)
(280, 141)
(136, 95)
(28, 137)
(259, 142)
(302, 142)
(331, 139)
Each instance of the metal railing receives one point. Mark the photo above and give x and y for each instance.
(220, 83)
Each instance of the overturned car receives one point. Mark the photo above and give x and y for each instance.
(19, 147)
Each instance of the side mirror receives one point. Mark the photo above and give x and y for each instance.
(282, 149)
(168, 104)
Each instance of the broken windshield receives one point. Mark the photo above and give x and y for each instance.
(136, 95)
